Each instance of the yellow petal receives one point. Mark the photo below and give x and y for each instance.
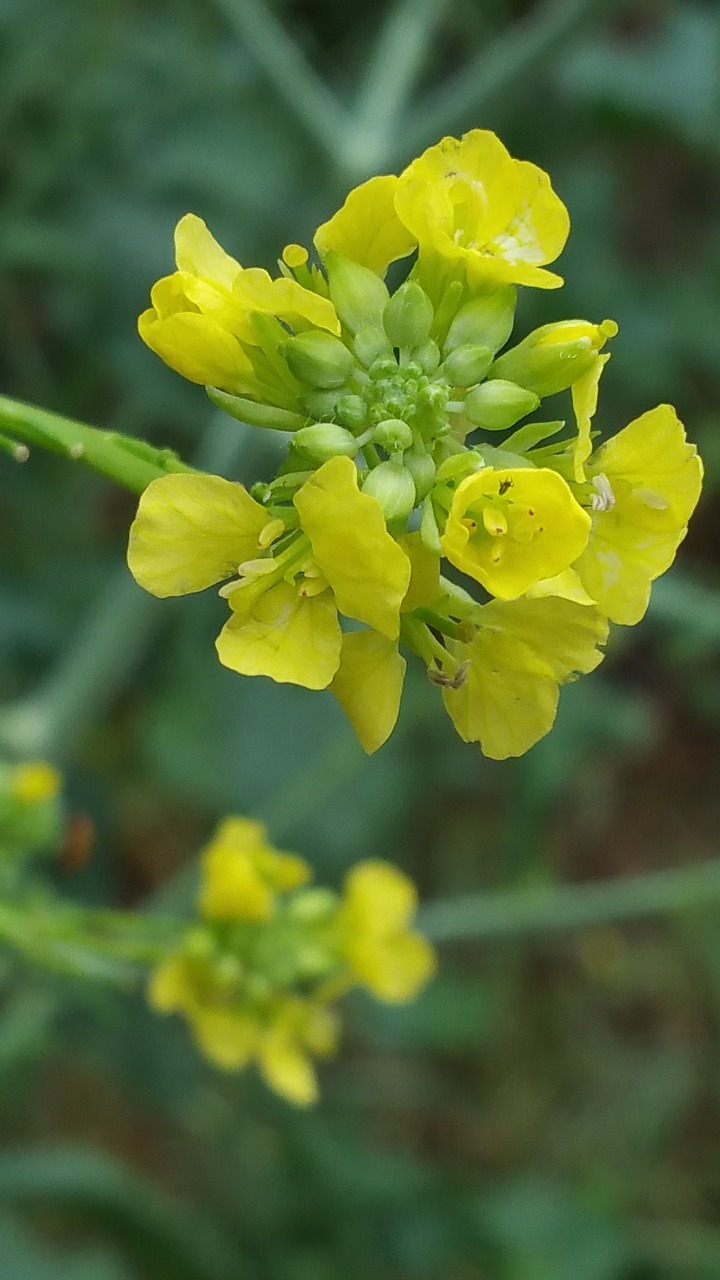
(367, 570)
(655, 476)
(368, 685)
(191, 531)
(393, 970)
(233, 888)
(287, 1068)
(560, 632)
(424, 586)
(283, 871)
(299, 307)
(228, 1038)
(291, 639)
(547, 528)
(199, 348)
(509, 698)
(198, 252)
(171, 986)
(379, 898)
(584, 398)
(367, 229)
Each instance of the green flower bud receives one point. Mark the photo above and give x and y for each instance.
(358, 295)
(427, 355)
(485, 321)
(394, 488)
(383, 367)
(553, 357)
(319, 358)
(323, 440)
(408, 316)
(371, 344)
(393, 434)
(352, 411)
(467, 364)
(321, 404)
(422, 469)
(254, 413)
(499, 404)
(313, 904)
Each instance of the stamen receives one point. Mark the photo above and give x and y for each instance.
(270, 533)
(604, 498)
(495, 522)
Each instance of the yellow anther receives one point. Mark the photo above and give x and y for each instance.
(294, 255)
(268, 535)
(256, 568)
(494, 521)
(312, 587)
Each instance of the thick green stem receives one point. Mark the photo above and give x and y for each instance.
(555, 908)
(130, 462)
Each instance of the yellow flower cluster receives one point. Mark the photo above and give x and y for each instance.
(407, 448)
(257, 979)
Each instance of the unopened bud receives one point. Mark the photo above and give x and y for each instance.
(313, 904)
(427, 355)
(324, 440)
(320, 404)
(408, 316)
(352, 410)
(422, 469)
(486, 321)
(393, 434)
(394, 488)
(499, 404)
(358, 295)
(370, 344)
(383, 367)
(553, 357)
(467, 364)
(318, 358)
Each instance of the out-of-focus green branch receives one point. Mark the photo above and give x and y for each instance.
(555, 908)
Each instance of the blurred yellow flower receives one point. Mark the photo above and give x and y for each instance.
(34, 782)
(242, 873)
(382, 952)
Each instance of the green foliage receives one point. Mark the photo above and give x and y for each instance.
(550, 1108)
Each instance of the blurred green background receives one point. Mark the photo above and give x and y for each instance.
(550, 1108)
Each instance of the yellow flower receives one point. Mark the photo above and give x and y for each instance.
(382, 952)
(511, 528)
(367, 229)
(646, 482)
(201, 315)
(242, 873)
(227, 1036)
(297, 1029)
(522, 651)
(34, 782)
(468, 201)
(194, 530)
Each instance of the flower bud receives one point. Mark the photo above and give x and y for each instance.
(320, 404)
(370, 344)
(408, 316)
(253, 412)
(324, 440)
(393, 487)
(427, 355)
(553, 357)
(467, 364)
(393, 434)
(358, 295)
(383, 367)
(422, 469)
(352, 410)
(486, 321)
(499, 404)
(319, 358)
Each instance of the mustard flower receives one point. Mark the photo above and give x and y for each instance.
(258, 978)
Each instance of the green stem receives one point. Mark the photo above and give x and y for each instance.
(286, 67)
(393, 68)
(130, 462)
(552, 908)
(510, 59)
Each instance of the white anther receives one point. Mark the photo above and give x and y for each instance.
(603, 499)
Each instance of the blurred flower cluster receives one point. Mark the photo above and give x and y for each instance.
(257, 978)
(421, 497)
